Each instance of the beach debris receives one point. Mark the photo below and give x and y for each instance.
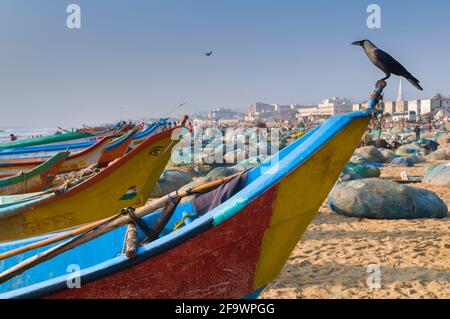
(371, 153)
(404, 175)
(170, 181)
(438, 175)
(376, 198)
(407, 179)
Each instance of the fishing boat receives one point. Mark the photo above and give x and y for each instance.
(82, 159)
(45, 140)
(153, 128)
(125, 182)
(231, 251)
(117, 148)
(51, 149)
(37, 179)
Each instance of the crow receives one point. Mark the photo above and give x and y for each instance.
(386, 63)
(208, 53)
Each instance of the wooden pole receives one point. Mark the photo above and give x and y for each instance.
(131, 241)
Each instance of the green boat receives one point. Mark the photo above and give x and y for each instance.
(51, 139)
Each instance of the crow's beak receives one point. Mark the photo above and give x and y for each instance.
(356, 43)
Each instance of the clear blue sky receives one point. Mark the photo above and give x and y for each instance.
(142, 58)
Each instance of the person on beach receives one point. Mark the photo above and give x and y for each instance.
(12, 137)
(417, 131)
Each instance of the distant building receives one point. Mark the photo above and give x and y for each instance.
(390, 107)
(306, 111)
(335, 106)
(437, 102)
(271, 112)
(328, 107)
(285, 112)
(261, 111)
(401, 106)
(358, 107)
(223, 114)
(414, 105)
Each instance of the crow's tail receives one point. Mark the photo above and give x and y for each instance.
(414, 82)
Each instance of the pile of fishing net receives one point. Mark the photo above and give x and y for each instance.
(371, 154)
(441, 154)
(402, 161)
(411, 149)
(353, 171)
(438, 174)
(170, 181)
(381, 199)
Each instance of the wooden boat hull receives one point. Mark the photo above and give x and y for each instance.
(35, 180)
(85, 158)
(233, 251)
(126, 182)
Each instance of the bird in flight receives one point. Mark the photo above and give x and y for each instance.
(386, 63)
(208, 53)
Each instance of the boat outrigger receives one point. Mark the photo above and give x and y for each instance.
(233, 250)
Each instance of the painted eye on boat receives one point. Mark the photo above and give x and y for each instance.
(156, 151)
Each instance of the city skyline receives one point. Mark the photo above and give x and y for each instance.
(142, 59)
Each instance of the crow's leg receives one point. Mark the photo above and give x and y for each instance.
(388, 75)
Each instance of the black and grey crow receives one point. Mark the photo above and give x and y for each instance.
(208, 53)
(386, 63)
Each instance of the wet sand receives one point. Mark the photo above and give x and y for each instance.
(331, 259)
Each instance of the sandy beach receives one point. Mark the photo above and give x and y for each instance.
(331, 259)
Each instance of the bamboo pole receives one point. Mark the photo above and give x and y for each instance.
(103, 228)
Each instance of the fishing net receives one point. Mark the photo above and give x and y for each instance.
(371, 153)
(381, 199)
(440, 155)
(402, 161)
(170, 181)
(438, 174)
